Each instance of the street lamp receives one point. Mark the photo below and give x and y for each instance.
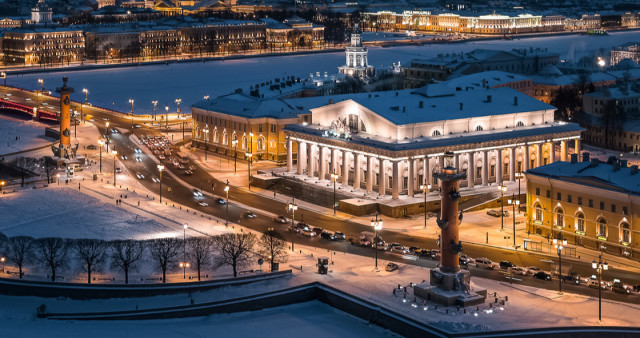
(206, 97)
(425, 190)
(75, 124)
(235, 156)
(599, 266)
(2, 259)
(155, 105)
(334, 177)
(3, 75)
(184, 251)
(206, 137)
(86, 94)
(249, 155)
(226, 190)
(166, 118)
(106, 135)
(377, 225)
(513, 201)
(178, 101)
(519, 176)
(58, 178)
(502, 188)
(292, 208)
(160, 169)
(183, 120)
(41, 82)
(115, 153)
(559, 243)
(100, 143)
(2, 183)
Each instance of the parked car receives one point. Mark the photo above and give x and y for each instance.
(593, 283)
(484, 263)
(620, 288)
(542, 275)
(139, 175)
(464, 260)
(154, 179)
(281, 219)
(303, 226)
(308, 233)
(504, 265)
(137, 151)
(571, 279)
(326, 235)
(118, 170)
(496, 213)
(250, 214)
(187, 172)
(413, 249)
(391, 267)
(92, 147)
(396, 247)
(339, 236)
(203, 204)
(424, 253)
(517, 270)
(317, 230)
(123, 157)
(435, 254)
(532, 270)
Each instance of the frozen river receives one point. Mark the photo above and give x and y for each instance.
(112, 88)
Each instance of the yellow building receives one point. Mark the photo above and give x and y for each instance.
(591, 203)
(31, 46)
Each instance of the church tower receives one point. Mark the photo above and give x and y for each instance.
(41, 13)
(357, 63)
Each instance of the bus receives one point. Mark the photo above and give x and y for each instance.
(182, 157)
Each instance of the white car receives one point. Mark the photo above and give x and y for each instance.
(250, 214)
(139, 175)
(138, 151)
(155, 179)
(308, 233)
(197, 193)
(203, 204)
(138, 159)
(484, 263)
(518, 270)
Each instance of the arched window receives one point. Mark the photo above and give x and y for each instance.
(580, 222)
(244, 142)
(537, 217)
(260, 144)
(559, 217)
(224, 140)
(479, 128)
(625, 233)
(520, 124)
(602, 227)
(215, 135)
(436, 133)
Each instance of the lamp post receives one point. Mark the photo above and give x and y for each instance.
(425, 190)
(106, 135)
(559, 243)
(75, 124)
(160, 169)
(599, 266)
(166, 118)
(58, 178)
(206, 137)
(519, 176)
(334, 177)
(249, 155)
(100, 143)
(206, 97)
(178, 101)
(115, 153)
(502, 188)
(292, 208)
(86, 94)
(226, 190)
(131, 101)
(377, 225)
(155, 105)
(184, 251)
(235, 156)
(2, 183)
(513, 201)
(2, 259)
(183, 120)
(41, 82)
(4, 76)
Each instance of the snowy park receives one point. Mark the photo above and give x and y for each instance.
(112, 88)
(17, 134)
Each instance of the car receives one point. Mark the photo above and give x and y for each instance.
(138, 159)
(326, 235)
(593, 283)
(339, 236)
(391, 267)
(571, 279)
(424, 253)
(413, 249)
(396, 247)
(303, 226)
(484, 263)
(197, 193)
(221, 200)
(532, 270)
(250, 214)
(618, 287)
(464, 260)
(155, 179)
(92, 147)
(192, 168)
(505, 265)
(435, 254)
(496, 213)
(114, 131)
(542, 275)
(517, 270)
(27, 99)
(317, 230)
(124, 157)
(118, 170)
(203, 204)
(281, 219)
(180, 166)
(137, 151)
(308, 233)
(187, 172)
(137, 126)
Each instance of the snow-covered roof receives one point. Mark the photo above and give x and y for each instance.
(595, 173)
(491, 78)
(572, 79)
(626, 64)
(242, 105)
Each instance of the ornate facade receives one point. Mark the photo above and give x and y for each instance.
(357, 63)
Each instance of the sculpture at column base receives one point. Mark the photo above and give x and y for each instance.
(449, 289)
(68, 152)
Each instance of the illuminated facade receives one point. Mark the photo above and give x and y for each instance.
(357, 63)
(34, 46)
(591, 203)
(630, 51)
(294, 33)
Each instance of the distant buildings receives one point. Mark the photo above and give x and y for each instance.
(628, 51)
(40, 45)
(590, 203)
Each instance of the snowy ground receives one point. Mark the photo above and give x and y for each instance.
(31, 134)
(112, 88)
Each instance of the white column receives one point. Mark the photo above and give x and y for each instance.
(552, 152)
(471, 170)
(302, 157)
(563, 150)
(577, 149)
(395, 190)
(499, 166)
(312, 161)
(538, 155)
(345, 168)
(412, 177)
(356, 171)
(512, 165)
(322, 162)
(370, 174)
(289, 155)
(441, 165)
(485, 168)
(456, 161)
(525, 164)
(382, 178)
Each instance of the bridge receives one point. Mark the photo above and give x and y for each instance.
(39, 114)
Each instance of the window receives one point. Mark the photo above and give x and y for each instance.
(353, 122)
(601, 205)
(624, 210)
(548, 193)
(505, 169)
(590, 203)
(602, 228)
(520, 124)
(559, 217)
(580, 222)
(559, 196)
(569, 198)
(625, 234)
(261, 144)
(260, 128)
(537, 191)
(579, 200)
(492, 170)
(613, 208)
(436, 133)
(538, 215)
(478, 128)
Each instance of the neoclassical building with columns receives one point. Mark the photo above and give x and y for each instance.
(390, 143)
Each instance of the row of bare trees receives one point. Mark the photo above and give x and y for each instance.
(236, 250)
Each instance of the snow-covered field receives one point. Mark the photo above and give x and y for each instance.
(66, 212)
(31, 134)
(112, 88)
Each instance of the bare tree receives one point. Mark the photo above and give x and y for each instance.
(272, 247)
(19, 251)
(91, 253)
(25, 165)
(200, 252)
(51, 252)
(235, 250)
(49, 166)
(126, 255)
(164, 252)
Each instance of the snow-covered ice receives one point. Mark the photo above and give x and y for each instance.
(112, 88)
(31, 134)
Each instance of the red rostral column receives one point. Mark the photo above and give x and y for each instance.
(450, 218)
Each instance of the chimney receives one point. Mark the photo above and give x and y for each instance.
(623, 163)
(515, 100)
(488, 99)
(330, 101)
(421, 104)
(460, 105)
(484, 83)
(594, 162)
(574, 158)
(396, 93)
(612, 159)
(634, 169)
(616, 166)
(404, 109)
(585, 157)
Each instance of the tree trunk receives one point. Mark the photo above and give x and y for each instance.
(198, 272)
(126, 275)
(53, 274)
(235, 272)
(164, 275)
(20, 270)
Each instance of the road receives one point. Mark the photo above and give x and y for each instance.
(184, 195)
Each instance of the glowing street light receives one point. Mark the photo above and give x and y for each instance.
(425, 190)
(86, 94)
(599, 266)
(166, 118)
(226, 190)
(292, 207)
(155, 105)
(519, 176)
(559, 244)
(3, 75)
(178, 101)
(106, 135)
(377, 225)
(513, 201)
(502, 189)
(206, 138)
(100, 143)
(160, 169)
(334, 177)
(115, 155)
(2, 183)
